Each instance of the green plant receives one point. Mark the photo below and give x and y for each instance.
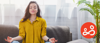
(94, 9)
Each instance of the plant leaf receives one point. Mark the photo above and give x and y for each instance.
(89, 5)
(98, 4)
(89, 10)
(80, 2)
(94, 2)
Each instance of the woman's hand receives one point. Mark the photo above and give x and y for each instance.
(52, 40)
(9, 39)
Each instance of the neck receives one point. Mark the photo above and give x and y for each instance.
(33, 17)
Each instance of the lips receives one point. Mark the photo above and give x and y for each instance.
(32, 11)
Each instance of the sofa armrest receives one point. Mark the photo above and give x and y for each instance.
(78, 41)
(70, 37)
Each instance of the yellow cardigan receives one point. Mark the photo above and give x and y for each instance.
(32, 32)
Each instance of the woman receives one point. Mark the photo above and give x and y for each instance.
(32, 28)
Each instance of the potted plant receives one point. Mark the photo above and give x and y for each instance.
(94, 9)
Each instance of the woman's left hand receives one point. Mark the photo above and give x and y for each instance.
(52, 40)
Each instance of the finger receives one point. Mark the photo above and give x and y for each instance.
(5, 39)
(56, 40)
(9, 38)
(53, 39)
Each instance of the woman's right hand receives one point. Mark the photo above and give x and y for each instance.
(9, 39)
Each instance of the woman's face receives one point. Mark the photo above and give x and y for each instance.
(33, 8)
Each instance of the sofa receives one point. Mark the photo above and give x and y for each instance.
(61, 33)
(79, 41)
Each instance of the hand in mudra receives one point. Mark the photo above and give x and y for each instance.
(52, 40)
(9, 39)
